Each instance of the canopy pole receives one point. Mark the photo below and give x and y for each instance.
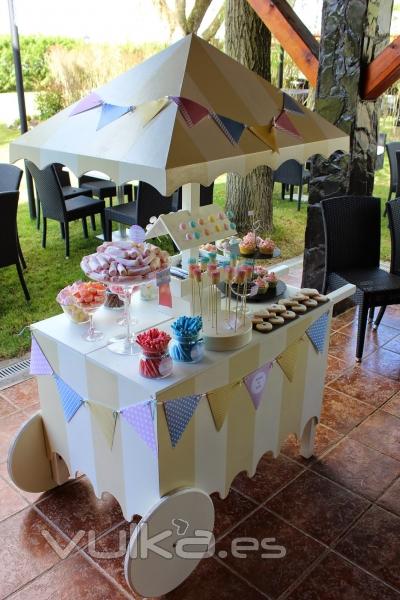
(121, 200)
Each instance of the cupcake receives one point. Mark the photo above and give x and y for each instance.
(262, 285)
(248, 244)
(272, 280)
(267, 247)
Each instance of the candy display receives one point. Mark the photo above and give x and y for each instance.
(79, 299)
(186, 345)
(113, 300)
(155, 361)
(124, 261)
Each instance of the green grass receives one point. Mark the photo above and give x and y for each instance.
(7, 134)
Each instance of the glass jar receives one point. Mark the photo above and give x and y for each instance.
(188, 349)
(155, 365)
(148, 291)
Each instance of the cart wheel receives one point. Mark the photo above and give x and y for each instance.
(175, 518)
(29, 465)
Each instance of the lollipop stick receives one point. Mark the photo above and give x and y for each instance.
(216, 310)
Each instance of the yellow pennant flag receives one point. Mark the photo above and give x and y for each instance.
(148, 110)
(287, 360)
(267, 134)
(106, 419)
(219, 401)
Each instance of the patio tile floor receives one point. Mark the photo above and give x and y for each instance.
(337, 514)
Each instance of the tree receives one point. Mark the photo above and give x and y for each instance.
(249, 41)
(175, 13)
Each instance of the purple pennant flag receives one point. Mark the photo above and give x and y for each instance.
(39, 363)
(140, 417)
(256, 382)
(111, 112)
(91, 101)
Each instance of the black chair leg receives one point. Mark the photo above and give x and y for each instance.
(38, 213)
(66, 226)
(44, 232)
(107, 230)
(84, 228)
(362, 325)
(299, 197)
(103, 225)
(62, 231)
(283, 191)
(93, 221)
(291, 190)
(21, 256)
(371, 314)
(379, 317)
(129, 194)
(22, 280)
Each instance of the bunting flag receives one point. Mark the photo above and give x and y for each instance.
(284, 123)
(91, 101)
(163, 279)
(191, 111)
(70, 400)
(267, 134)
(219, 401)
(178, 413)
(317, 332)
(291, 105)
(232, 129)
(106, 418)
(140, 417)
(256, 382)
(148, 110)
(111, 112)
(39, 365)
(287, 360)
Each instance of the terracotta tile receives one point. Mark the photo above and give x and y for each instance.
(23, 394)
(270, 575)
(324, 438)
(73, 578)
(335, 367)
(393, 406)
(6, 408)
(391, 318)
(230, 510)
(24, 551)
(343, 319)
(374, 544)
(359, 468)
(10, 501)
(344, 347)
(318, 506)
(272, 474)
(335, 578)
(384, 362)
(341, 412)
(394, 345)
(366, 385)
(391, 498)
(380, 431)
(74, 508)
(31, 497)
(8, 428)
(379, 336)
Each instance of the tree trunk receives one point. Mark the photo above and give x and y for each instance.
(249, 42)
(353, 33)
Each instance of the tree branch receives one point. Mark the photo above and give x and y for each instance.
(180, 11)
(197, 15)
(209, 33)
(167, 13)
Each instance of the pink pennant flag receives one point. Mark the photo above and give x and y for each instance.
(140, 417)
(191, 111)
(39, 363)
(284, 123)
(256, 382)
(87, 103)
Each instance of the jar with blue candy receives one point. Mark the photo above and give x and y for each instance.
(186, 344)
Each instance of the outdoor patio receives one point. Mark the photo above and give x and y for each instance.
(337, 514)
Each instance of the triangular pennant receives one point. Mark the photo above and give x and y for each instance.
(39, 365)
(178, 413)
(191, 111)
(110, 113)
(284, 123)
(106, 418)
(267, 134)
(287, 360)
(232, 129)
(91, 101)
(219, 401)
(140, 417)
(317, 332)
(291, 105)
(148, 110)
(70, 400)
(256, 382)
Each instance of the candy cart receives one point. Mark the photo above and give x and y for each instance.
(161, 446)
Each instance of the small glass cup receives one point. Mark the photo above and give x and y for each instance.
(92, 334)
(155, 365)
(187, 349)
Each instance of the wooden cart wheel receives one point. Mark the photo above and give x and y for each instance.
(169, 525)
(29, 465)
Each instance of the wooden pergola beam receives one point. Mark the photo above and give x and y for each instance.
(382, 72)
(291, 33)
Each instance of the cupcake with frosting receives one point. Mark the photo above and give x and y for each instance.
(262, 284)
(272, 279)
(248, 244)
(267, 247)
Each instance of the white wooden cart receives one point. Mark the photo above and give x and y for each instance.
(175, 486)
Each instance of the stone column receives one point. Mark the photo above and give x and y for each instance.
(353, 33)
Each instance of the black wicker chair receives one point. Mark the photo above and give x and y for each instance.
(352, 227)
(104, 188)
(149, 203)
(10, 180)
(392, 148)
(69, 192)
(206, 197)
(54, 205)
(291, 173)
(9, 246)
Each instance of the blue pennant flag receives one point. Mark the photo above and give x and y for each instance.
(178, 413)
(291, 105)
(317, 332)
(232, 129)
(111, 112)
(70, 400)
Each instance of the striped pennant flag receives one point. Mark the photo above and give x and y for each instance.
(284, 123)
(191, 111)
